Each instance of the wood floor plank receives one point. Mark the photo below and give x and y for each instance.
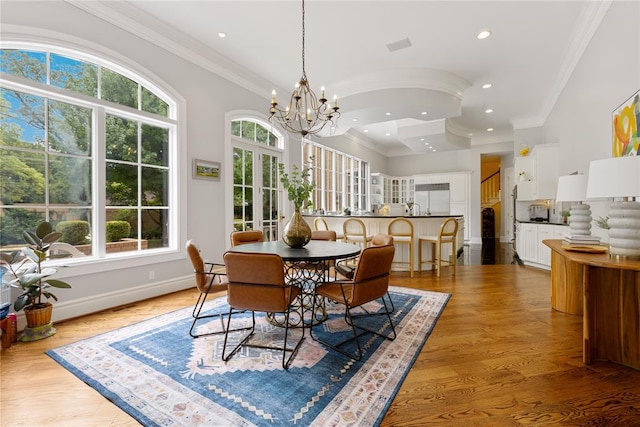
(498, 356)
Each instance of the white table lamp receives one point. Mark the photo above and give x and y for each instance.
(619, 178)
(573, 188)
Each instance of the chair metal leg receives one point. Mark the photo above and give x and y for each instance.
(356, 335)
(242, 341)
(202, 298)
(286, 362)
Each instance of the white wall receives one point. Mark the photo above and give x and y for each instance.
(607, 74)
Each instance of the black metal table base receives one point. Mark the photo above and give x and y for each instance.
(306, 276)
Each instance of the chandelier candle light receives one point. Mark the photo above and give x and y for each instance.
(305, 114)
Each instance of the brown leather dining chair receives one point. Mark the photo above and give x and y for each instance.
(245, 237)
(210, 278)
(326, 235)
(370, 283)
(257, 284)
(346, 270)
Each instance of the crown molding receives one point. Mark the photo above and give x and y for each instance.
(133, 20)
(588, 22)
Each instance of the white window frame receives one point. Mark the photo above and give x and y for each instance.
(99, 261)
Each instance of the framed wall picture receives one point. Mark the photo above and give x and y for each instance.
(204, 169)
(626, 125)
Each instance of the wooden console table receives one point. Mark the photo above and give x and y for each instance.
(610, 293)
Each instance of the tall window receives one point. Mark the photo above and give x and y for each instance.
(342, 181)
(256, 154)
(87, 146)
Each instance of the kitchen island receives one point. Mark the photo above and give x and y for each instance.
(422, 225)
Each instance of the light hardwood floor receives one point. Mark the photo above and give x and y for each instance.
(498, 356)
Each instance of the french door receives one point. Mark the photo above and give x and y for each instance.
(255, 189)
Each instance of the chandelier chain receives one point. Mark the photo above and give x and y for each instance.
(306, 114)
(304, 73)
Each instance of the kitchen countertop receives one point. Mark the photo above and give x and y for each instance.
(540, 222)
(385, 216)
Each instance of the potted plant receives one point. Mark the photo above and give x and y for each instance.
(299, 187)
(23, 269)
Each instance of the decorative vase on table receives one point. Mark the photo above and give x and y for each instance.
(297, 232)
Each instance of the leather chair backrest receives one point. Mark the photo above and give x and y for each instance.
(202, 278)
(244, 237)
(382, 240)
(328, 235)
(371, 278)
(256, 282)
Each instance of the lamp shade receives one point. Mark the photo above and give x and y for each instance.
(572, 188)
(614, 177)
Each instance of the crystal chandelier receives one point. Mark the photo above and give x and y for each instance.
(305, 114)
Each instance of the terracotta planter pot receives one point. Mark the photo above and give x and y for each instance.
(38, 316)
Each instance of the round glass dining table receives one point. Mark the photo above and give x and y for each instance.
(305, 267)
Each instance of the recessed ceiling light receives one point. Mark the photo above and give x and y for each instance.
(488, 110)
(424, 113)
(366, 130)
(387, 114)
(421, 139)
(434, 150)
(483, 34)
(222, 35)
(354, 120)
(489, 129)
(387, 134)
(486, 85)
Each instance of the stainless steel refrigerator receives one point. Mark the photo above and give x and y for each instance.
(433, 199)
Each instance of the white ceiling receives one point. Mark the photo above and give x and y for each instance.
(533, 48)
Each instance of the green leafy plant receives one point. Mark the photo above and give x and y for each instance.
(298, 185)
(603, 222)
(23, 269)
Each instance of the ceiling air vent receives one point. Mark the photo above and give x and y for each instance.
(400, 44)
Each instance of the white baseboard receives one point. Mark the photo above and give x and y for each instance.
(83, 306)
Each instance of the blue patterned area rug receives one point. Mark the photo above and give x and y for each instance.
(157, 373)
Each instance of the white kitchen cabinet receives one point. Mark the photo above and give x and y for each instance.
(537, 174)
(385, 189)
(459, 187)
(529, 242)
(377, 188)
(526, 242)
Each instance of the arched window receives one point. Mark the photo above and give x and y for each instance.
(88, 146)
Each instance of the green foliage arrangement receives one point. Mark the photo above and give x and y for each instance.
(117, 230)
(23, 269)
(298, 185)
(603, 222)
